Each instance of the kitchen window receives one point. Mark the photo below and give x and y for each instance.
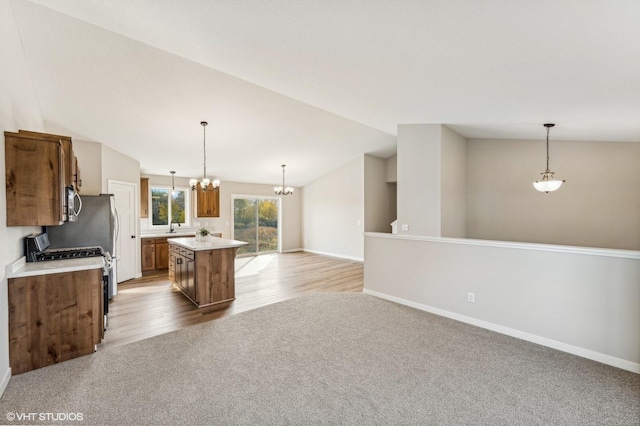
(169, 205)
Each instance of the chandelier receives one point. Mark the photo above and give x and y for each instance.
(548, 183)
(204, 183)
(282, 190)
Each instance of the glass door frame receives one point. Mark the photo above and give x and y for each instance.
(278, 199)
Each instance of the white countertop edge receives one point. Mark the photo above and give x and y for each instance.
(22, 268)
(626, 254)
(174, 234)
(214, 244)
(167, 234)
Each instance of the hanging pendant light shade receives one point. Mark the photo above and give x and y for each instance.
(548, 183)
(173, 182)
(204, 183)
(283, 190)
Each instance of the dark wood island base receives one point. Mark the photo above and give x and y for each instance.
(204, 272)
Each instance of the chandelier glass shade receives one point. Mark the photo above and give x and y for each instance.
(205, 181)
(283, 190)
(548, 183)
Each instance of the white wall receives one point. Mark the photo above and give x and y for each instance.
(582, 301)
(19, 109)
(453, 187)
(598, 206)
(392, 169)
(117, 166)
(333, 212)
(291, 206)
(90, 164)
(419, 174)
(378, 196)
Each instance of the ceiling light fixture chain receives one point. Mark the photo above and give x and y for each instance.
(204, 147)
(204, 183)
(283, 190)
(548, 183)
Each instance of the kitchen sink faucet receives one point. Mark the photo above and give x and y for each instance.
(171, 230)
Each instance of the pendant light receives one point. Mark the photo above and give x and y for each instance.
(173, 182)
(283, 190)
(548, 183)
(204, 183)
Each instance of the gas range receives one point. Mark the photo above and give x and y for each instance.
(37, 250)
(68, 253)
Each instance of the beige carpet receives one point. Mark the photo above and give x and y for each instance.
(329, 358)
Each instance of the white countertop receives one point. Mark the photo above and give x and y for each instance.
(175, 234)
(212, 244)
(22, 268)
(167, 234)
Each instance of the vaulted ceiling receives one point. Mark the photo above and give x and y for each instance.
(314, 84)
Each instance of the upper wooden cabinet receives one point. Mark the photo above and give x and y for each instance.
(36, 178)
(39, 168)
(70, 161)
(208, 202)
(77, 179)
(144, 197)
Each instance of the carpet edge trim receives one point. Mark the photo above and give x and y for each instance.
(533, 338)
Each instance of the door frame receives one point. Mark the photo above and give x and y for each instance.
(258, 197)
(136, 222)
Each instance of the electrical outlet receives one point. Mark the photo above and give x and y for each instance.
(405, 227)
(471, 297)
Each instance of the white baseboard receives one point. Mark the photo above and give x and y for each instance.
(5, 381)
(293, 250)
(561, 346)
(341, 256)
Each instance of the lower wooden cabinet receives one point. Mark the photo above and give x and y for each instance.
(162, 253)
(155, 253)
(54, 318)
(148, 254)
(206, 277)
(184, 273)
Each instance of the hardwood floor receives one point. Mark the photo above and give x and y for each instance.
(149, 306)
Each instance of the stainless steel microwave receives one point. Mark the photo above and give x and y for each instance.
(73, 204)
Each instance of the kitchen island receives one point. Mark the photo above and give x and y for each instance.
(204, 271)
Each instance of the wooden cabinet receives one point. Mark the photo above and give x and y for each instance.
(70, 161)
(144, 197)
(208, 202)
(77, 178)
(184, 271)
(162, 253)
(39, 167)
(206, 277)
(148, 254)
(155, 254)
(54, 318)
(35, 181)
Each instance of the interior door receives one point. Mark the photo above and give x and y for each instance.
(125, 196)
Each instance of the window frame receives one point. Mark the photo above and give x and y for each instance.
(187, 205)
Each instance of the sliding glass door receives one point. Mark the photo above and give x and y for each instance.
(255, 221)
